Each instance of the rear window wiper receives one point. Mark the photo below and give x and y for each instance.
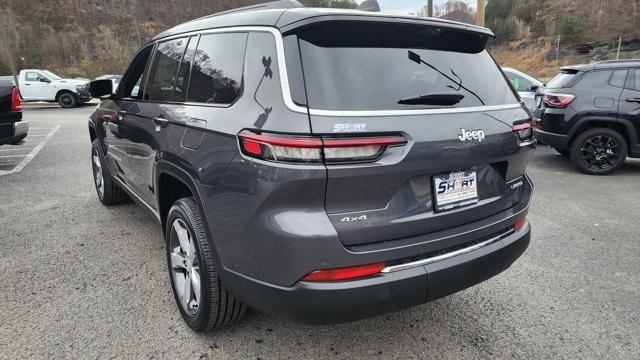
(442, 99)
(417, 59)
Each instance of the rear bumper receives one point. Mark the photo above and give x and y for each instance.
(334, 302)
(12, 132)
(557, 141)
(20, 129)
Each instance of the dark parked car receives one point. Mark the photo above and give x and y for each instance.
(591, 113)
(316, 192)
(12, 128)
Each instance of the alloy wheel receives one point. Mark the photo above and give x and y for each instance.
(600, 152)
(185, 268)
(97, 172)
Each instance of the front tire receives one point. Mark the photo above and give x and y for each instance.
(108, 192)
(67, 100)
(204, 304)
(599, 151)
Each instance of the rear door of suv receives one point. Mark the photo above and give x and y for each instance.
(440, 91)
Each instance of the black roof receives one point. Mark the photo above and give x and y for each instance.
(607, 64)
(286, 15)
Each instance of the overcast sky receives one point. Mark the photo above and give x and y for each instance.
(409, 6)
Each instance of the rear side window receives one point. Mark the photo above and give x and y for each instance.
(596, 78)
(162, 74)
(216, 73)
(563, 79)
(373, 66)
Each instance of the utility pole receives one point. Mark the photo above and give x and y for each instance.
(480, 5)
(619, 46)
(430, 8)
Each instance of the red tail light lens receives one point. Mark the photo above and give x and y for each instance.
(524, 130)
(344, 273)
(16, 105)
(520, 223)
(558, 100)
(285, 148)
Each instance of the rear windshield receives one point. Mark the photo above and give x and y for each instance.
(373, 66)
(563, 79)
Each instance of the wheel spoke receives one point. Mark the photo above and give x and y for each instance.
(186, 293)
(177, 260)
(195, 282)
(183, 236)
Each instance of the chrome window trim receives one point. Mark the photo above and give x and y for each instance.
(286, 91)
(400, 267)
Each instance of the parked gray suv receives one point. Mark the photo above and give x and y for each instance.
(319, 165)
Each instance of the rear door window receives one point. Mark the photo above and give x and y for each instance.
(182, 79)
(372, 66)
(162, 74)
(216, 73)
(618, 78)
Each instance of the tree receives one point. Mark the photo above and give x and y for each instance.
(343, 4)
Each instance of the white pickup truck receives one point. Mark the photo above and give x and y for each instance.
(43, 85)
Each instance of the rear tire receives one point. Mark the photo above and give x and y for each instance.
(108, 192)
(67, 100)
(208, 305)
(599, 151)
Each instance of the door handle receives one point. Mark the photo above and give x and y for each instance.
(161, 122)
(633, 100)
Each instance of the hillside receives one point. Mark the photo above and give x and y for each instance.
(91, 37)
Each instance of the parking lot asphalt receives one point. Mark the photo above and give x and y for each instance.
(81, 281)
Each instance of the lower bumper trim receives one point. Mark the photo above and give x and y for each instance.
(423, 262)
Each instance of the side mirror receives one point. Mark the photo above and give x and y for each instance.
(44, 80)
(101, 88)
(534, 88)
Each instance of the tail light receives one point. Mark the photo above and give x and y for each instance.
(16, 105)
(520, 223)
(287, 148)
(558, 100)
(345, 273)
(524, 130)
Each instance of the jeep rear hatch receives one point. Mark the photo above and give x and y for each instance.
(439, 90)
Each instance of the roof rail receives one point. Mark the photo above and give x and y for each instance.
(616, 61)
(280, 4)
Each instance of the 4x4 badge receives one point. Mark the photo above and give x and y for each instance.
(467, 135)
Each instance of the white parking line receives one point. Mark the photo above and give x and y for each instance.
(31, 154)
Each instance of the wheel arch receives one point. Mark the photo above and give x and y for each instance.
(173, 183)
(624, 127)
(64, 91)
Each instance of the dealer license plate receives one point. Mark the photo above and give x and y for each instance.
(455, 189)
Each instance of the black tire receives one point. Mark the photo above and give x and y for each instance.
(110, 194)
(564, 152)
(215, 307)
(67, 100)
(599, 151)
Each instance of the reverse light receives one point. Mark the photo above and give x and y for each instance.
(524, 130)
(16, 105)
(345, 273)
(520, 223)
(288, 148)
(556, 100)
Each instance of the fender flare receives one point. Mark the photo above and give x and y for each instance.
(165, 167)
(631, 131)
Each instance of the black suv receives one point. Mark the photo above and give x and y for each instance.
(591, 113)
(320, 165)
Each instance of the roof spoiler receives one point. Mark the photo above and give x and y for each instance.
(369, 5)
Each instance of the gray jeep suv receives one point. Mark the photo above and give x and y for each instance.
(319, 165)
